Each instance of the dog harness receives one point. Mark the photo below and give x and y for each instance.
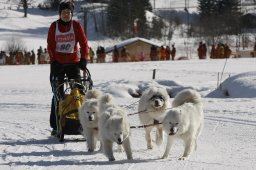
(65, 42)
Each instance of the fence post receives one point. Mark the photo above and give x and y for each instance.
(218, 80)
(154, 73)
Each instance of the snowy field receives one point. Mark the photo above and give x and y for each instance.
(227, 141)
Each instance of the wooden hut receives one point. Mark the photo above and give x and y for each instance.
(138, 49)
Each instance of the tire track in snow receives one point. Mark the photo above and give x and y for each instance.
(231, 120)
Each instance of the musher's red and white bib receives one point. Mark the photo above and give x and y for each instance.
(65, 42)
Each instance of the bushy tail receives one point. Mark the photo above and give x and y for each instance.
(186, 96)
(106, 102)
(107, 98)
(93, 94)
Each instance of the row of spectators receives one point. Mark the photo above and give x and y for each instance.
(220, 51)
(122, 55)
(24, 57)
(164, 53)
(217, 52)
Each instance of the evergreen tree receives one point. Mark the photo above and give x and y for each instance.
(208, 21)
(156, 30)
(121, 15)
(230, 14)
(218, 17)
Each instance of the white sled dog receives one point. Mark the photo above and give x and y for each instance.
(113, 127)
(88, 116)
(184, 121)
(152, 108)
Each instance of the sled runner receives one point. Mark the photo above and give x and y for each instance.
(68, 97)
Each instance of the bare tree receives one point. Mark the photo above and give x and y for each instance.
(15, 44)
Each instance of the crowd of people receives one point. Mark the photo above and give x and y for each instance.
(220, 51)
(217, 51)
(156, 54)
(100, 55)
(164, 53)
(24, 57)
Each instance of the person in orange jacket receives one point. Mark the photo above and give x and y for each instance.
(168, 53)
(204, 51)
(162, 53)
(213, 52)
(62, 44)
(227, 51)
(200, 50)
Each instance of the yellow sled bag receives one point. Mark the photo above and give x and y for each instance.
(68, 107)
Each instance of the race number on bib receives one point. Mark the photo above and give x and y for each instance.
(64, 48)
(65, 42)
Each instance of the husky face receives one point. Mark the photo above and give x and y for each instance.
(173, 128)
(117, 130)
(172, 123)
(92, 111)
(91, 116)
(157, 101)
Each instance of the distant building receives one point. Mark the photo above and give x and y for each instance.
(137, 48)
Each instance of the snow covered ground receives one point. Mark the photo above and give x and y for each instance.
(227, 141)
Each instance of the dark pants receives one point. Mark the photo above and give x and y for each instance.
(72, 71)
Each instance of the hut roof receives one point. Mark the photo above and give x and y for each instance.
(128, 42)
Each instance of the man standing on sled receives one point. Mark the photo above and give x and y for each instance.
(63, 38)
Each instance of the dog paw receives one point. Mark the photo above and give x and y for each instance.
(90, 150)
(111, 159)
(183, 158)
(150, 147)
(164, 157)
(129, 158)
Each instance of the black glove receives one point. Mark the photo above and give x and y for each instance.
(82, 64)
(56, 67)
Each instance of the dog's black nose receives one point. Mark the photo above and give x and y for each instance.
(90, 118)
(119, 140)
(172, 131)
(157, 103)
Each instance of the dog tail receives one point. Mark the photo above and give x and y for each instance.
(186, 96)
(107, 98)
(93, 94)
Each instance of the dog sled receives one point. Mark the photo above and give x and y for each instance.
(68, 97)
